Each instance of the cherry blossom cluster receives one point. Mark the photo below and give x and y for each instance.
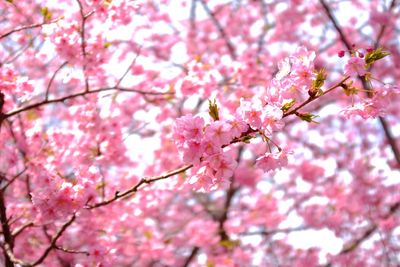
(12, 84)
(55, 197)
(206, 146)
(98, 98)
(372, 101)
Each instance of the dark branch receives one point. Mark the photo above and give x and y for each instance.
(135, 188)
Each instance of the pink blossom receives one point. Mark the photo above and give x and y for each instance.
(355, 66)
(210, 146)
(188, 128)
(251, 112)
(366, 110)
(272, 118)
(192, 151)
(310, 172)
(272, 161)
(219, 132)
(238, 126)
(302, 75)
(223, 165)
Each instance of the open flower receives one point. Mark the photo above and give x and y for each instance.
(272, 161)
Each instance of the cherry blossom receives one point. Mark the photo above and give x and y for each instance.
(199, 133)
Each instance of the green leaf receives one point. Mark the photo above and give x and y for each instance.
(375, 55)
(46, 13)
(308, 117)
(319, 80)
(349, 89)
(288, 105)
(213, 109)
(229, 243)
(246, 139)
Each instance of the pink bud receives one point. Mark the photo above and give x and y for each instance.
(341, 53)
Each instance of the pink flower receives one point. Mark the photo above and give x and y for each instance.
(219, 132)
(202, 233)
(355, 66)
(210, 147)
(366, 110)
(384, 96)
(188, 128)
(271, 161)
(192, 152)
(251, 112)
(272, 118)
(238, 126)
(302, 75)
(223, 165)
(310, 172)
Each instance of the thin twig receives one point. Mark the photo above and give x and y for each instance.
(191, 257)
(128, 69)
(54, 241)
(220, 29)
(52, 78)
(19, 230)
(385, 126)
(64, 98)
(32, 26)
(135, 188)
(72, 251)
(311, 99)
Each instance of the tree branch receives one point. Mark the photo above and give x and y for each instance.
(191, 257)
(135, 188)
(354, 244)
(52, 78)
(220, 29)
(64, 98)
(8, 238)
(382, 121)
(54, 241)
(26, 27)
(311, 99)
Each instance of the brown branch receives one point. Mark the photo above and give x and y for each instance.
(14, 260)
(26, 27)
(2, 115)
(64, 98)
(264, 29)
(311, 99)
(72, 251)
(134, 189)
(13, 179)
(191, 257)
(335, 24)
(352, 245)
(52, 79)
(128, 69)
(8, 238)
(83, 41)
(275, 231)
(220, 29)
(383, 27)
(19, 230)
(54, 240)
(382, 121)
(228, 201)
